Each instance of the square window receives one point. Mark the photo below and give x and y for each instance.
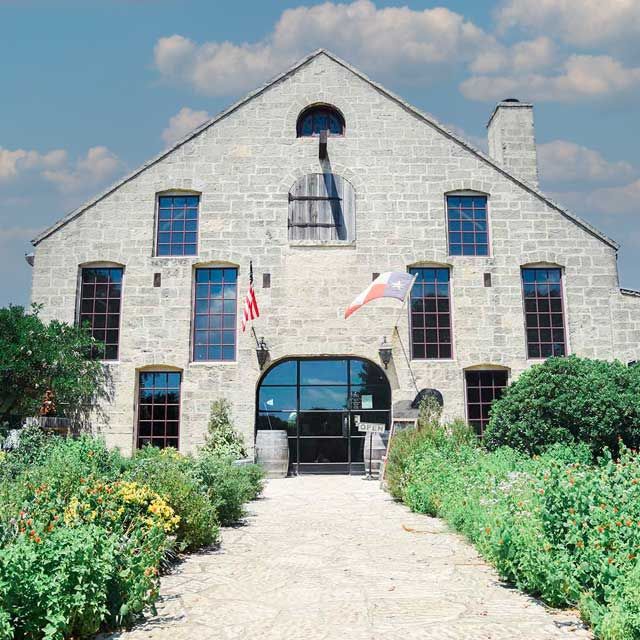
(177, 214)
(162, 418)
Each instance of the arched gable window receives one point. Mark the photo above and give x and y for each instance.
(319, 118)
(322, 207)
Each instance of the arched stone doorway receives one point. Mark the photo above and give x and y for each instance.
(316, 400)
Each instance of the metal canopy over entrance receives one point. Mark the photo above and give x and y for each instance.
(316, 400)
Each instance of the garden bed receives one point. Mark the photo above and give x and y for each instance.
(85, 532)
(558, 525)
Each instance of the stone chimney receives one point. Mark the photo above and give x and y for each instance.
(512, 140)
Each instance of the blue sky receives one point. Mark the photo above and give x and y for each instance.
(93, 88)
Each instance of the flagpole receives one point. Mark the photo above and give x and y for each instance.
(397, 331)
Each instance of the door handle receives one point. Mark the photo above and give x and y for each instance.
(345, 425)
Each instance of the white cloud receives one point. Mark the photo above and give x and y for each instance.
(182, 123)
(95, 167)
(12, 163)
(619, 201)
(577, 22)
(616, 200)
(564, 161)
(528, 55)
(581, 77)
(408, 43)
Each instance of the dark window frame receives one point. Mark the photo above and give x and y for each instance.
(82, 315)
(444, 349)
(316, 111)
(150, 416)
(479, 424)
(472, 231)
(547, 316)
(197, 295)
(172, 220)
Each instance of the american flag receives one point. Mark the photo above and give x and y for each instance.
(250, 310)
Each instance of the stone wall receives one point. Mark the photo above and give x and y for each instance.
(626, 314)
(401, 167)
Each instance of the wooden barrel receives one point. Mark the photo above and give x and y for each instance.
(272, 452)
(375, 447)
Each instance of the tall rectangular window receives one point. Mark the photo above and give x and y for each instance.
(159, 409)
(100, 299)
(177, 226)
(430, 314)
(483, 388)
(215, 314)
(544, 314)
(467, 225)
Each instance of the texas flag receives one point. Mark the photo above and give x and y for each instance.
(392, 284)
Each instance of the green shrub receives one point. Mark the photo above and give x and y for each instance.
(569, 400)
(228, 486)
(222, 438)
(173, 477)
(76, 578)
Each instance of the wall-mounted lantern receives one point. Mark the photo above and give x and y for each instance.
(385, 352)
(262, 351)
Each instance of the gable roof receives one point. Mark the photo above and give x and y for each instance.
(425, 117)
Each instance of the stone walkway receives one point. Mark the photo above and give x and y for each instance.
(324, 558)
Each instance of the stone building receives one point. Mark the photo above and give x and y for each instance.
(159, 266)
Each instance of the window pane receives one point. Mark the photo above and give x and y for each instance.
(429, 314)
(278, 420)
(323, 398)
(215, 309)
(278, 399)
(321, 118)
(283, 373)
(159, 422)
(483, 388)
(172, 213)
(543, 306)
(100, 300)
(472, 212)
(317, 372)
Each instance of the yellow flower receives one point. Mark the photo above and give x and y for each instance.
(71, 511)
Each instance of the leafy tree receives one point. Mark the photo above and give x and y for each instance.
(222, 437)
(35, 356)
(568, 400)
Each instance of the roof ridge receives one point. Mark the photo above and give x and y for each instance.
(426, 117)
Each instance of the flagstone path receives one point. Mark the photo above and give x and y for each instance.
(327, 558)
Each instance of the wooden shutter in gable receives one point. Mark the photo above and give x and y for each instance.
(322, 208)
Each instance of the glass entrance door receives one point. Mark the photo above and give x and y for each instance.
(316, 400)
(323, 441)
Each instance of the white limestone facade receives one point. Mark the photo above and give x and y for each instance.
(401, 164)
